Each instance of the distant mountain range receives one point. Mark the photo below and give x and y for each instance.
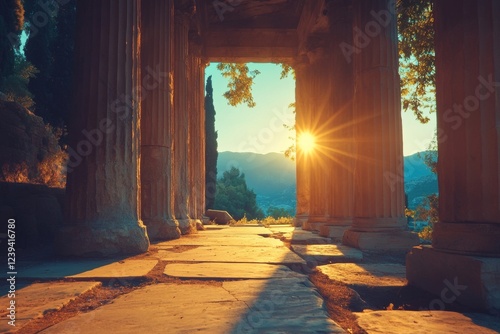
(272, 177)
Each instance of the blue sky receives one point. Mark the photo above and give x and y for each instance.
(260, 129)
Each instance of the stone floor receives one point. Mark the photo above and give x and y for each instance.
(248, 279)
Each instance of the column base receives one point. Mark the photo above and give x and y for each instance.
(470, 280)
(334, 231)
(105, 241)
(379, 240)
(314, 223)
(300, 220)
(467, 238)
(187, 226)
(163, 229)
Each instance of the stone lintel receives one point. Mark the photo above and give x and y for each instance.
(470, 280)
(103, 240)
(380, 240)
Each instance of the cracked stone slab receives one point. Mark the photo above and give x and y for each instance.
(84, 269)
(424, 322)
(36, 299)
(282, 306)
(328, 253)
(204, 308)
(380, 274)
(216, 270)
(234, 254)
(215, 240)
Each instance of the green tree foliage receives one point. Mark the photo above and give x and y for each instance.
(277, 213)
(15, 86)
(416, 54)
(234, 196)
(240, 83)
(428, 210)
(210, 147)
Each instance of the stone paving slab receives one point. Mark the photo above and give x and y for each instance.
(59, 269)
(202, 240)
(427, 322)
(83, 269)
(282, 306)
(122, 269)
(282, 228)
(199, 308)
(33, 300)
(300, 236)
(328, 253)
(239, 230)
(380, 274)
(214, 270)
(234, 254)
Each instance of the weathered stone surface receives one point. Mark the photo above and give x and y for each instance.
(380, 274)
(299, 236)
(209, 309)
(34, 300)
(201, 239)
(229, 271)
(328, 253)
(393, 240)
(228, 254)
(336, 232)
(121, 269)
(439, 272)
(424, 322)
(219, 216)
(240, 230)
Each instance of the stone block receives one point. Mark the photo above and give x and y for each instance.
(471, 280)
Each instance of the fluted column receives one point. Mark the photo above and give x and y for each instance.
(302, 123)
(103, 171)
(319, 108)
(181, 120)
(196, 128)
(379, 217)
(340, 176)
(466, 240)
(157, 120)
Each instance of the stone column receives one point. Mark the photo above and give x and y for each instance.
(301, 124)
(466, 241)
(379, 211)
(157, 120)
(181, 120)
(196, 128)
(340, 174)
(319, 108)
(103, 171)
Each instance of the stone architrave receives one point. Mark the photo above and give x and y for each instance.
(379, 201)
(340, 195)
(181, 120)
(103, 172)
(466, 241)
(157, 120)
